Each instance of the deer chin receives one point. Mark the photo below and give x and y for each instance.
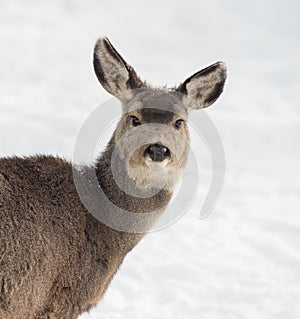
(152, 174)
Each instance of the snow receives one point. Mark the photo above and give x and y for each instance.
(243, 260)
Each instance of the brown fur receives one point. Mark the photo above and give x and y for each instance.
(56, 259)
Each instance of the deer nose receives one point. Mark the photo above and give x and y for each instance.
(157, 152)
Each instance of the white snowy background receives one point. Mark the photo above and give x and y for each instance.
(243, 260)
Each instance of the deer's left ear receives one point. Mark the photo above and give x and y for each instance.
(205, 86)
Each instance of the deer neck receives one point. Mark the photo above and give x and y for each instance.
(127, 197)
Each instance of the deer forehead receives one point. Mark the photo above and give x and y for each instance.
(152, 115)
(157, 105)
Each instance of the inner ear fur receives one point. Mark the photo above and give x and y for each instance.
(205, 86)
(112, 71)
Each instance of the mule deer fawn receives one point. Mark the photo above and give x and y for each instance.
(56, 258)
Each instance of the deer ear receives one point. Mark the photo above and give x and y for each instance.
(205, 86)
(115, 75)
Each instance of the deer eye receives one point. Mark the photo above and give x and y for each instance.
(178, 124)
(135, 121)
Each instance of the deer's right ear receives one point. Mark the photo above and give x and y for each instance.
(115, 75)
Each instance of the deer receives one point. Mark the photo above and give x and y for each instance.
(57, 258)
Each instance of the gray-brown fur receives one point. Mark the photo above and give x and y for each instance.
(56, 258)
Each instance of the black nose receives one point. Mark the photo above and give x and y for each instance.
(157, 152)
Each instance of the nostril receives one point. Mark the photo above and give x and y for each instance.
(157, 152)
(157, 148)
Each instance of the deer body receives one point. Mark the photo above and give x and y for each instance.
(56, 258)
(63, 265)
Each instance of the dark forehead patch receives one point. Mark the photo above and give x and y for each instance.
(159, 105)
(154, 115)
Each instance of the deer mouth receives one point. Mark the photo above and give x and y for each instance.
(157, 153)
